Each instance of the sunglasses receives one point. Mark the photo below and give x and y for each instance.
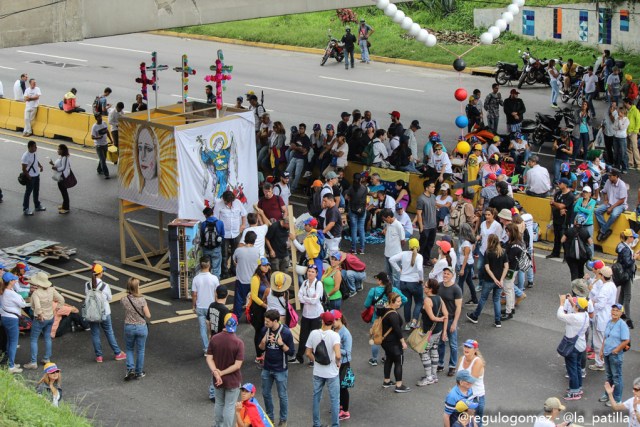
(636, 389)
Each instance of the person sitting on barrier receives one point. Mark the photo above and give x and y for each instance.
(139, 105)
(69, 102)
(537, 179)
(614, 203)
(519, 151)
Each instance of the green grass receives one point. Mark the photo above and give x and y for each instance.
(310, 30)
(20, 406)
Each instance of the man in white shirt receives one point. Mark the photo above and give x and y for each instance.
(393, 241)
(282, 188)
(405, 220)
(245, 258)
(32, 98)
(602, 295)
(260, 230)
(325, 374)
(552, 409)
(19, 87)
(114, 121)
(203, 291)
(233, 215)
(99, 134)
(31, 169)
(537, 179)
(590, 83)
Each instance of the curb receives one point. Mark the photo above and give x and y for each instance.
(301, 49)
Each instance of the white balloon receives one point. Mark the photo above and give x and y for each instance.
(518, 3)
(422, 35)
(513, 9)
(382, 4)
(501, 24)
(431, 40)
(508, 17)
(494, 31)
(414, 30)
(486, 38)
(406, 23)
(391, 10)
(398, 17)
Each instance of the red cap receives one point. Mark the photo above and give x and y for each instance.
(312, 222)
(327, 318)
(459, 191)
(583, 166)
(444, 245)
(395, 114)
(491, 176)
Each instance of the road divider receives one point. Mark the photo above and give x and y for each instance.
(15, 120)
(61, 124)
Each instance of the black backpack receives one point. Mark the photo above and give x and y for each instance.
(210, 237)
(315, 203)
(97, 106)
(321, 354)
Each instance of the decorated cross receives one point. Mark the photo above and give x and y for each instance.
(144, 80)
(223, 73)
(154, 68)
(186, 71)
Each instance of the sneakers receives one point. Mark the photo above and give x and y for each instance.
(470, 302)
(99, 359)
(554, 106)
(353, 294)
(27, 212)
(15, 370)
(41, 209)
(529, 285)
(63, 211)
(552, 256)
(572, 396)
(387, 384)
(121, 356)
(284, 423)
(130, 375)
(295, 361)
(440, 369)
(409, 326)
(373, 362)
(361, 252)
(584, 373)
(342, 415)
(402, 389)
(451, 372)
(359, 288)
(425, 381)
(307, 174)
(31, 366)
(471, 318)
(603, 398)
(596, 367)
(498, 324)
(506, 316)
(141, 375)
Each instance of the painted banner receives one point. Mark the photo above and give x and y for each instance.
(214, 158)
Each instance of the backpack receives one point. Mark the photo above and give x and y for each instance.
(524, 260)
(320, 235)
(367, 154)
(97, 106)
(94, 304)
(457, 217)
(210, 237)
(376, 330)
(321, 354)
(576, 248)
(632, 93)
(314, 205)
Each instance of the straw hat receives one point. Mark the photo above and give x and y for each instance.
(280, 281)
(40, 279)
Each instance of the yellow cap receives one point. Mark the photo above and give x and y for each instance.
(414, 243)
(97, 269)
(628, 77)
(496, 138)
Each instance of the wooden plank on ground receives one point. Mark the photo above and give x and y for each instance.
(183, 312)
(61, 270)
(71, 297)
(123, 271)
(155, 288)
(86, 264)
(174, 319)
(69, 272)
(155, 282)
(76, 294)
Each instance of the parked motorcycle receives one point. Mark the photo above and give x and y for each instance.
(574, 96)
(547, 126)
(506, 72)
(534, 70)
(334, 49)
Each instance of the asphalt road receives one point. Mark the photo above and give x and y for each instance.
(523, 368)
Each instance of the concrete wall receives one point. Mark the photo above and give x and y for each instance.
(77, 19)
(544, 25)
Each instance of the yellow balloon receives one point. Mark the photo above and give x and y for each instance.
(463, 147)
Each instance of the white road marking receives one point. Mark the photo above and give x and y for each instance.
(7, 68)
(204, 100)
(44, 148)
(113, 47)
(52, 56)
(297, 93)
(371, 84)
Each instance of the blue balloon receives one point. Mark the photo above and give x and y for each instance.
(462, 122)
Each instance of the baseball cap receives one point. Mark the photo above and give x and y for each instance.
(444, 245)
(553, 403)
(472, 98)
(329, 127)
(399, 206)
(465, 376)
(491, 176)
(240, 99)
(607, 272)
(97, 269)
(471, 343)
(444, 187)
(414, 243)
(7, 277)
(630, 233)
(50, 368)
(564, 167)
(230, 323)
(465, 404)
(513, 91)
(345, 114)
(250, 93)
(317, 127)
(337, 255)
(331, 175)
(311, 221)
(586, 189)
(23, 266)
(459, 192)
(582, 303)
(248, 387)
(478, 147)
(565, 181)
(286, 175)
(263, 261)
(317, 183)
(337, 314)
(327, 318)
(395, 114)
(416, 124)
(618, 306)
(448, 267)
(596, 264)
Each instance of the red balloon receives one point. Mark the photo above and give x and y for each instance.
(461, 94)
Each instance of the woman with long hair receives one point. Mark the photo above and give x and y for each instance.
(586, 205)
(403, 198)
(585, 124)
(553, 81)
(50, 385)
(346, 343)
(434, 317)
(63, 166)
(260, 288)
(136, 313)
(393, 343)
(310, 295)
(11, 304)
(331, 281)
(409, 265)
(515, 248)
(443, 260)
(627, 258)
(473, 362)
(488, 227)
(496, 266)
(467, 243)
(377, 298)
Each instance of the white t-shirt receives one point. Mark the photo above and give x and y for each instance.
(99, 134)
(443, 200)
(261, 232)
(62, 164)
(32, 92)
(465, 244)
(485, 232)
(379, 151)
(17, 91)
(393, 239)
(590, 82)
(538, 180)
(543, 421)
(389, 203)
(440, 162)
(282, 190)
(394, 142)
(30, 159)
(341, 161)
(633, 419)
(405, 220)
(277, 303)
(330, 338)
(205, 285)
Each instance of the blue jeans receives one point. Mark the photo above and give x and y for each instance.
(613, 369)
(583, 143)
(411, 167)
(620, 152)
(240, 298)
(606, 225)
(557, 163)
(333, 385)
(33, 186)
(442, 213)
(101, 150)
(354, 279)
(392, 272)
(263, 156)
(453, 346)
(356, 225)
(412, 290)
(108, 332)
(554, 92)
(202, 323)
(479, 409)
(135, 337)
(295, 168)
(487, 287)
(589, 98)
(589, 228)
(492, 123)
(215, 255)
(364, 50)
(41, 327)
(574, 370)
(468, 279)
(375, 351)
(10, 325)
(224, 411)
(280, 378)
